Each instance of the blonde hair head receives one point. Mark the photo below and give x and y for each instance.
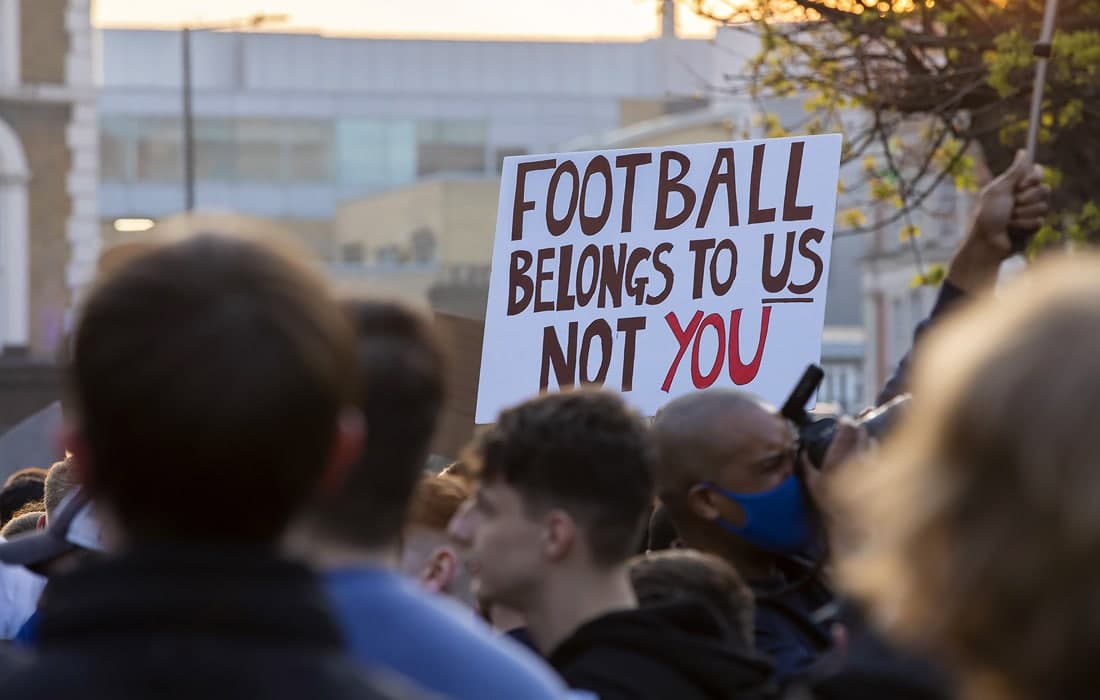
(976, 531)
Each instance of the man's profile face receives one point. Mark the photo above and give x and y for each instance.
(505, 544)
(762, 452)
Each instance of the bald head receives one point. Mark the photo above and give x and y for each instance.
(702, 436)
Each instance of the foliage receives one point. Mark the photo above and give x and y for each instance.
(931, 92)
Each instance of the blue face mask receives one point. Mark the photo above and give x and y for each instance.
(778, 521)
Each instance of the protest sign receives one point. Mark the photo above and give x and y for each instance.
(658, 272)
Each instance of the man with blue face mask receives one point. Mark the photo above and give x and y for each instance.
(729, 473)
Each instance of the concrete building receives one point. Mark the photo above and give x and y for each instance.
(384, 154)
(893, 304)
(289, 126)
(48, 153)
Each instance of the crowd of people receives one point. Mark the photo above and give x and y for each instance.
(244, 508)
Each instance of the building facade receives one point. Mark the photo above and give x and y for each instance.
(289, 126)
(384, 154)
(48, 169)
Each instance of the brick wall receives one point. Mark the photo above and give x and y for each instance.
(42, 128)
(44, 41)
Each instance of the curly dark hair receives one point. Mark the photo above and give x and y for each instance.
(583, 451)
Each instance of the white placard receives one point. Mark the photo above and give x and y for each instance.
(657, 272)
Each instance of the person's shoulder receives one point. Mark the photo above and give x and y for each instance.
(497, 660)
(211, 671)
(11, 662)
(412, 625)
(612, 673)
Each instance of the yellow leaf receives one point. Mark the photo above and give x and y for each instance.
(907, 232)
(853, 218)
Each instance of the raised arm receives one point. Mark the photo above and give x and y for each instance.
(1017, 198)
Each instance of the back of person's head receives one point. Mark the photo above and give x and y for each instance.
(427, 553)
(28, 473)
(23, 487)
(583, 452)
(60, 481)
(26, 520)
(436, 499)
(662, 531)
(403, 379)
(974, 533)
(213, 373)
(462, 470)
(679, 575)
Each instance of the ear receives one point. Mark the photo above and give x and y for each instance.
(351, 430)
(72, 442)
(41, 524)
(703, 502)
(440, 571)
(710, 505)
(559, 535)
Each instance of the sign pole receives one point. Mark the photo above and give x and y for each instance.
(1042, 51)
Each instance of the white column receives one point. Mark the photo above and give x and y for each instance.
(14, 261)
(82, 137)
(10, 73)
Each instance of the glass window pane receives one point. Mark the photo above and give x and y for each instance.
(445, 157)
(373, 153)
(159, 152)
(259, 162)
(450, 146)
(215, 151)
(308, 147)
(114, 153)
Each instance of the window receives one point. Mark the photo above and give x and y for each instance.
(259, 150)
(375, 153)
(446, 157)
(309, 162)
(116, 150)
(352, 252)
(214, 150)
(423, 245)
(502, 153)
(159, 152)
(308, 150)
(159, 161)
(450, 146)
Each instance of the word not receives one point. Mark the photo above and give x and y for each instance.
(564, 362)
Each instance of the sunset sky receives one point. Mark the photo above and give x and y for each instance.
(564, 19)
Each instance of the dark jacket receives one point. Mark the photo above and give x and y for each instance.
(794, 614)
(179, 622)
(948, 298)
(678, 651)
(872, 668)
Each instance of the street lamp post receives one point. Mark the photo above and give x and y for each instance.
(188, 127)
(188, 95)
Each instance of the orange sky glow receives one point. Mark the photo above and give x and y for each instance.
(541, 19)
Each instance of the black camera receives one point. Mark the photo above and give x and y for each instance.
(816, 434)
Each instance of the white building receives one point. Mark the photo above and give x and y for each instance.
(289, 126)
(48, 220)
